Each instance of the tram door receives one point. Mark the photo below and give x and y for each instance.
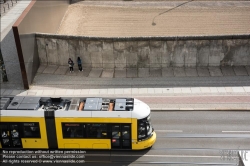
(121, 136)
(10, 135)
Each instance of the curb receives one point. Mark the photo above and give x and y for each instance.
(199, 109)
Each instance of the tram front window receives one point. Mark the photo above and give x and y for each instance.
(144, 128)
(141, 130)
(149, 126)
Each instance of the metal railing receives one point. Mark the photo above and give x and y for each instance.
(6, 5)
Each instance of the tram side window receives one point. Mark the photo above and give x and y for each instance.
(4, 134)
(96, 130)
(72, 130)
(4, 130)
(31, 130)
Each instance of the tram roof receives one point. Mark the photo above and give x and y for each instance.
(74, 107)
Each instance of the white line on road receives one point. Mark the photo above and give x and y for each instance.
(125, 155)
(176, 131)
(172, 135)
(235, 131)
(133, 155)
(180, 156)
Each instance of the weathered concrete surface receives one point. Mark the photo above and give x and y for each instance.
(74, 73)
(50, 69)
(203, 72)
(240, 71)
(179, 72)
(63, 48)
(94, 50)
(85, 72)
(108, 55)
(107, 73)
(41, 45)
(10, 58)
(203, 53)
(167, 53)
(95, 72)
(155, 56)
(142, 53)
(227, 71)
(191, 72)
(215, 71)
(120, 73)
(167, 72)
(155, 72)
(51, 49)
(180, 50)
(248, 70)
(191, 53)
(84, 54)
(120, 59)
(132, 73)
(236, 52)
(143, 72)
(41, 68)
(62, 70)
(216, 54)
(147, 72)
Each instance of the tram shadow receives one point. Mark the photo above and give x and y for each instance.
(76, 158)
(113, 157)
(73, 157)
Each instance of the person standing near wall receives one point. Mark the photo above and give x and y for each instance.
(71, 64)
(79, 61)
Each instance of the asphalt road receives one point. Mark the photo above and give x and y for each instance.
(183, 138)
(201, 136)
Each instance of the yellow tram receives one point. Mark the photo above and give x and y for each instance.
(75, 123)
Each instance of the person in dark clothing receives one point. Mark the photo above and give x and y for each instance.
(79, 62)
(71, 64)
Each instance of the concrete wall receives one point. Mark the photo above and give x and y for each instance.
(41, 16)
(11, 62)
(8, 46)
(144, 52)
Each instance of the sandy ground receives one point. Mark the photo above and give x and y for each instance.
(136, 19)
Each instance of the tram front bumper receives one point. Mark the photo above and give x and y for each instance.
(145, 143)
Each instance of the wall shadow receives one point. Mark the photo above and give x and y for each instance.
(37, 17)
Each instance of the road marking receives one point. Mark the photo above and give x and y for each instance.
(134, 155)
(181, 156)
(176, 131)
(206, 136)
(157, 162)
(235, 131)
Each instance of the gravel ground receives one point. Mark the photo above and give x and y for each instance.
(158, 18)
